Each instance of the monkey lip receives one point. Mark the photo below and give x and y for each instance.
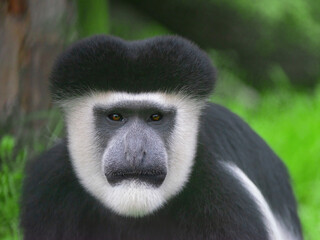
(154, 177)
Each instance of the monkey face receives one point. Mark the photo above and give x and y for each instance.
(132, 152)
(134, 137)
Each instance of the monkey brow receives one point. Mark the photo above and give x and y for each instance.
(134, 106)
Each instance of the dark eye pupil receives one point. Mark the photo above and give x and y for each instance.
(155, 117)
(115, 117)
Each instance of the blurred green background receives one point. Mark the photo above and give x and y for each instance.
(267, 54)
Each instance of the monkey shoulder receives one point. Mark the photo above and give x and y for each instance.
(227, 140)
(52, 198)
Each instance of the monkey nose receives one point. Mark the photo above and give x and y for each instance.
(135, 158)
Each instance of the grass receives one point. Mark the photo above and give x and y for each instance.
(11, 174)
(288, 119)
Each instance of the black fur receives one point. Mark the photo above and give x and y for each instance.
(213, 205)
(103, 63)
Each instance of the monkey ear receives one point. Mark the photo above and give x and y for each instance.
(105, 63)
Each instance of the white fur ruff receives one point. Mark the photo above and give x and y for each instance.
(131, 198)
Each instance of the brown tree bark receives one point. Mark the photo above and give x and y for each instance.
(32, 34)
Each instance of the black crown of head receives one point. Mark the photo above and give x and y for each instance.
(106, 63)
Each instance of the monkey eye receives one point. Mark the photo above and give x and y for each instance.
(115, 117)
(155, 117)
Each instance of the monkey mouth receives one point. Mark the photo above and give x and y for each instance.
(154, 177)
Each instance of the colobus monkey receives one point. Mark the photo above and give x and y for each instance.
(148, 157)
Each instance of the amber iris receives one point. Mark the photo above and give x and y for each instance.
(115, 117)
(155, 117)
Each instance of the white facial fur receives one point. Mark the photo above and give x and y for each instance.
(131, 198)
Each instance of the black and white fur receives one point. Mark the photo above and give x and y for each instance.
(219, 180)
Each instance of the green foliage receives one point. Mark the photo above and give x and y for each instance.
(11, 173)
(93, 17)
(297, 19)
(130, 25)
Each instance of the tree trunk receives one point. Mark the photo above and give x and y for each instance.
(32, 33)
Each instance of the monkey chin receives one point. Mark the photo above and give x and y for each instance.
(133, 198)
